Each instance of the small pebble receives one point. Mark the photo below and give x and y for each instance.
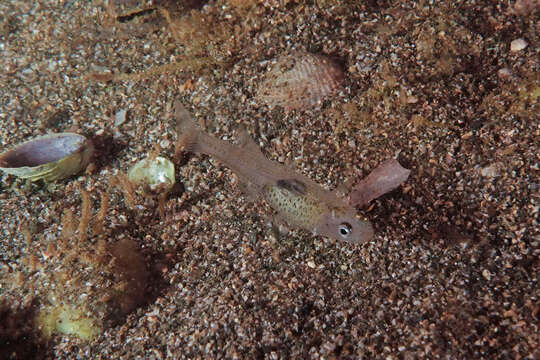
(412, 99)
(490, 170)
(165, 143)
(504, 73)
(518, 45)
(120, 117)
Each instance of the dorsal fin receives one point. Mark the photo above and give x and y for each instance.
(246, 141)
(186, 128)
(295, 186)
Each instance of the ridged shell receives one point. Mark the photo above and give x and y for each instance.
(50, 157)
(300, 80)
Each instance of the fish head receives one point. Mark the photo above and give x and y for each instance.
(345, 226)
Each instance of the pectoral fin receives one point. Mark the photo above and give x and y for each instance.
(251, 190)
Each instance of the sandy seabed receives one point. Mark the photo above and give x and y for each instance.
(450, 88)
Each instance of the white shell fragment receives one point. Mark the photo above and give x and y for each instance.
(518, 45)
(300, 80)
(157, 174)
(491, 170)
(50, 157)
(120, 117)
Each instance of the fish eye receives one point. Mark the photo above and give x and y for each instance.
(344, 229)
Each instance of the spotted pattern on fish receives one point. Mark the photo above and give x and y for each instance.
(296, 207)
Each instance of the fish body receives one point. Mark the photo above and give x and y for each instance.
(297, 200)
(298, 209)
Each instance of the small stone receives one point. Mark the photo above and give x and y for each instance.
(504, 73)
(155, 172)
(120, 117)
(164, 144)
(490, 170)
(486, 274)
(412, 99)
(311, 264)
(523, 7)
(518, 45)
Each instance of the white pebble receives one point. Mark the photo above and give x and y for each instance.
(518, 45)
(120, 117)
(164, 144)
(490, 170)
(504, 73)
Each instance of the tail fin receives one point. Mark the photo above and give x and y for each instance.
(186, 128)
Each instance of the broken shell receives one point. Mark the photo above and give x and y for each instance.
(300, 80)
(518, 45)
(50, 157)
(155, 173)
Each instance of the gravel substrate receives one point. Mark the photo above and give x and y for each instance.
(450, 88)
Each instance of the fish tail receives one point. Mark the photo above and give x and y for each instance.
(187, 130)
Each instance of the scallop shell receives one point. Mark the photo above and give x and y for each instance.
(155, 173)
(300, 80)
(50, 157)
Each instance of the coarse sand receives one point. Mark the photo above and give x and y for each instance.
(449, 88)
